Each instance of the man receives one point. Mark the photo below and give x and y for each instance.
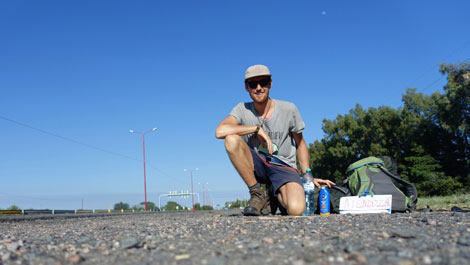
(263, 140)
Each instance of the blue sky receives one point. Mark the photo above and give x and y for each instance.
(75, 76)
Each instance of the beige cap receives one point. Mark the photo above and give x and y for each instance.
(257, 70)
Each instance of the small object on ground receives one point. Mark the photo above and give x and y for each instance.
(309, 189)
(324, 199)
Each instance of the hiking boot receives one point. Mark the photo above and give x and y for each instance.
(267, 207)
(257, 202)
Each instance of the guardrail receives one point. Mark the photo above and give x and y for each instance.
(78, 211)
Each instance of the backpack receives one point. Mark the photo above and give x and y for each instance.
(372, 176)
(369, 176)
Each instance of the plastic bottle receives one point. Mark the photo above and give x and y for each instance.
(309, 188)
(324, 200)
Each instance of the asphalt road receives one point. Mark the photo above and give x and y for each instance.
(226, 237)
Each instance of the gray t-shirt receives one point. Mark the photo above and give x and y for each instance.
(284, 121)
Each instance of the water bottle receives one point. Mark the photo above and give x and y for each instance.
(324, 199)
(309, 187)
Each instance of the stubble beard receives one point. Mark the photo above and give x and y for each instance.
(261, 100)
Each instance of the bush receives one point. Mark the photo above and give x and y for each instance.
(121, 206)
(442, 186)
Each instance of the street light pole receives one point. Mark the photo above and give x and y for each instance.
(203, 193)
(192, 190)
(143, 150)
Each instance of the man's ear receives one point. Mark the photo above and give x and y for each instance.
(246, 88)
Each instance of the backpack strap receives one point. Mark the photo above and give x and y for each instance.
(363, 165)
(409, 189)
(365, 193)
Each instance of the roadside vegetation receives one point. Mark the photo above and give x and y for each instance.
(428, 137)
(170, 206)
(434, 202)
(445, 202)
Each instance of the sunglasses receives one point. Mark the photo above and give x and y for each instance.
(263, 83)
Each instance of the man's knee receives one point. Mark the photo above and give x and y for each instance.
(232, 142)
(295, 207)
(292, 198)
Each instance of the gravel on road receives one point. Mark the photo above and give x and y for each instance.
(227, 237)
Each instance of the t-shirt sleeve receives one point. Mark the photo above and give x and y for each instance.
(297, 125)
(237, 113)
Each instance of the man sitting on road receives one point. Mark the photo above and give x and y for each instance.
(263, 140)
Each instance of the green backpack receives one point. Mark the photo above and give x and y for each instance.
(369, 176)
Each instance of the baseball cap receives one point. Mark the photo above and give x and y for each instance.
(257, 70)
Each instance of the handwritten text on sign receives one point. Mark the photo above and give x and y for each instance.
(366, 204)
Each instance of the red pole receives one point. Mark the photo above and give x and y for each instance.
(203, 195)
(143, 151)
(145, 178)
(192, 191)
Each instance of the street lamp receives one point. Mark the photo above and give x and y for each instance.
(143, 149)
(192, 190)
(203, 192)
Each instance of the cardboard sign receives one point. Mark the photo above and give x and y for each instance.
(366, 204)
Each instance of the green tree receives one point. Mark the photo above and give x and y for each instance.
(433, 157)
(207, 207)
(356, 135)
(150, 206)
(137, 208)
(13, 208)
(454, 117)
(423, 170)
(236, 204)
(428, 137)
(173, 206)
(121, 206)
(198, 207)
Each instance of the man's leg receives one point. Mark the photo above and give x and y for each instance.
(241, 157)
(292, 197)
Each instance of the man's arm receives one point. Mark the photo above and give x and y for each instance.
(230, 126)
(304, 160)
(302, 151)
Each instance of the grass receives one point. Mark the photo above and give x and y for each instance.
(445, 202)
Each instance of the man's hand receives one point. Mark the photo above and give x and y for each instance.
(264, 139)
(319, 182)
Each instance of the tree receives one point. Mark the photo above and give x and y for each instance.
(198, 207)
(138, 208)
(173, 206)
(454, 117)
(429, 137)
(121, 206)
(236, 204)
(423, 170)
(356, 135)
(150, 206)
(13, 208)
(435, 157)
